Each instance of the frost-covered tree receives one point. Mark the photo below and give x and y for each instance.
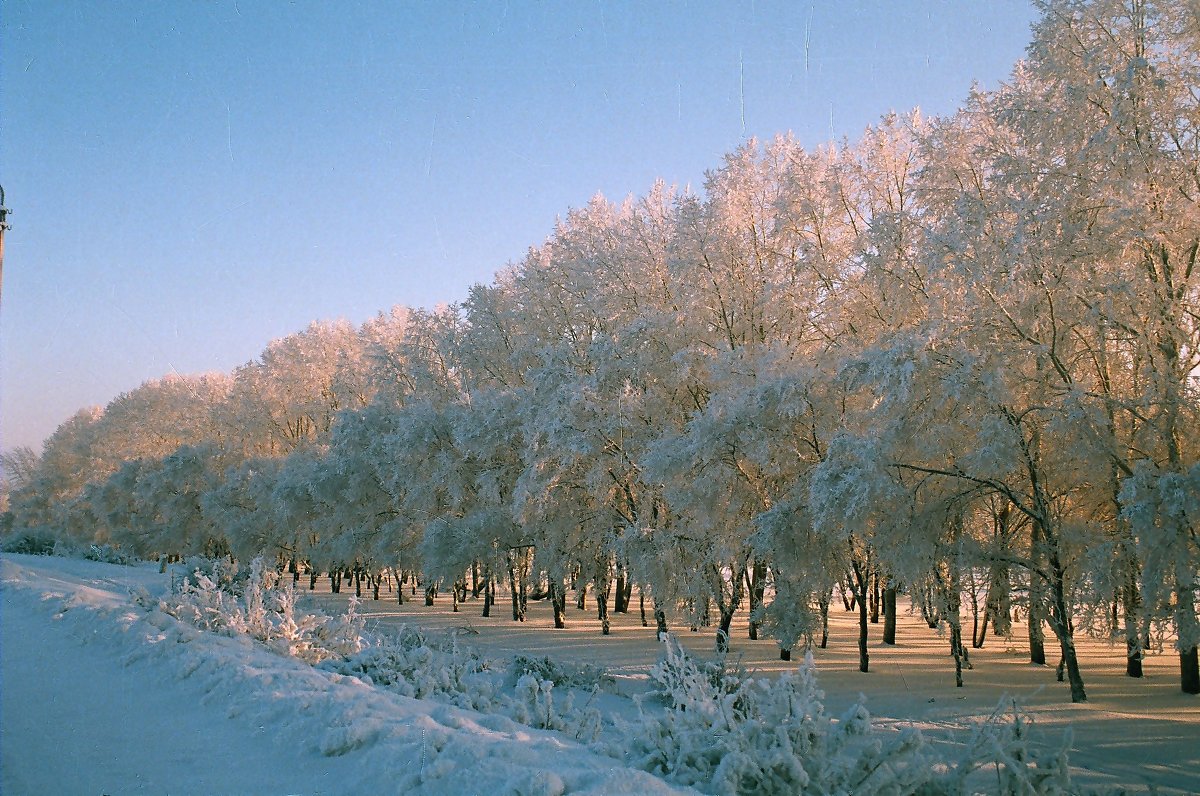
(288, 397)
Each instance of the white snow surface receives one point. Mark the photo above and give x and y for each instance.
(101, 696)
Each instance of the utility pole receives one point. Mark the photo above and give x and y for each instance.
(3, 226)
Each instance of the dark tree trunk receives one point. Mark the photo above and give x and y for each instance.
(1189, 671)
(1131, 599)
(642, 607)
(624, 591)
(603, 584)
(861, 586)
(1037, 636)
(1035, 614)
(1185, 627)
(758, 590)
(1060, 622)
(823, 603)
(430, 593)
(660, 620)
(558, 600)
(727, 602)
(951, 588)
(889, 615)
(518, 610)
(875, 598)
(863, 656)
(929, 610)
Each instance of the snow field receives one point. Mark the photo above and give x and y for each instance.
(156, 706)
(189, 711)
(1130, 736)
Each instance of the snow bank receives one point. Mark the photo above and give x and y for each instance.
(310, 731)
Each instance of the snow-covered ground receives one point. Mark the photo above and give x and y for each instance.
(101, 695)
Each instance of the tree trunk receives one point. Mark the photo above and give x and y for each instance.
(1186, 629)
(929, 609)
(952, 602)
(889, 614)
(1035, 615)
(875, 598)
(758, 590)
(603, 585)
(1189, 671)
(823, 603)
(518, 613)
(558, 600)
(660, 621)
(861, 586)
(975, 616)
(1060, 622)
(845, 591)
(729, 599)
(624, 591)
(1131, 600)
(642, 607)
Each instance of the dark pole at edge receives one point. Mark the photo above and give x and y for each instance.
(3, 226)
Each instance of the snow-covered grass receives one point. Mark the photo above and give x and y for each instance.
(435, 701)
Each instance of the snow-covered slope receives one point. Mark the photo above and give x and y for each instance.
(101, 696)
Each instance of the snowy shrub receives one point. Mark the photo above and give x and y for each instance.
(32, 543)
(725, 732)
(414, 664)
(262, 605)
(562, 674)
(107, 554)
(424, 666)
(534, 703)
(207, 573)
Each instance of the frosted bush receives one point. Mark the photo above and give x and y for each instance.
(534, 703)
(425, 666)
(723, 731)
(561, 674)
(108, 554)
(414, 664)
(262, 605)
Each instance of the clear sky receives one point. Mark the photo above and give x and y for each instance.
(191, 180)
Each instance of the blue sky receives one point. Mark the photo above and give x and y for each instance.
(190, 180)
